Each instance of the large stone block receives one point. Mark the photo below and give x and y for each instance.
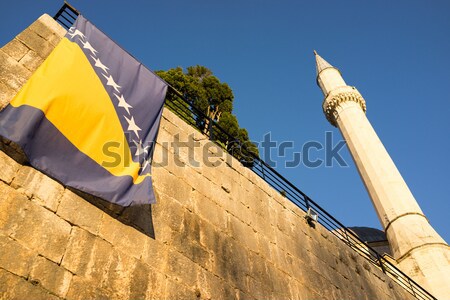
(12, 73)
(234, 265)
(155, 254)
(257, 289)
(47, 28)
(210, 210)
(44, 190)
(35, 42)
(14, 257)
(79, 212)
(15, 49)
(51, 276)
(210, 286)
(243, 233)
(8, 168)
(187, 242)
(118, 275)
(82, 289)
(163, 158)
(157, 286)
(6, 95)
(31, 61)
(164, 183)
(203, 185)
(32, 225)
(15, 287)
(180, 267)
(279, 281)
(175, 290)
(124, 237)
(167, 212)
(140, 281)
(87, 255)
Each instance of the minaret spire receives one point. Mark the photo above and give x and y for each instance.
(328, 77)
(418, 249)
(321, 63)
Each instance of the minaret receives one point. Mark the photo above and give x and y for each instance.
(418, 249)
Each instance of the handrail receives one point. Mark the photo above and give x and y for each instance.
(66, 15)
(192, 115)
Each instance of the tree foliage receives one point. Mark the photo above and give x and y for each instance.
(215, 100)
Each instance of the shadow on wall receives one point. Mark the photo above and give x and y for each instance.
(138, 217)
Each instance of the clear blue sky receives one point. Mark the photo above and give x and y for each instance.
(395, 52)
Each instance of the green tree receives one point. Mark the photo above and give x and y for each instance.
(215, 100)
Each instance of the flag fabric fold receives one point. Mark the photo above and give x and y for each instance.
(89, 117)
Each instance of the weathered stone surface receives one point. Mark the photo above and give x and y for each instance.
(139, 281)
(32, 225)
(155, 254)
(12, 73)
(187, 242)
(82, 289)
(161, 216)
(15, 49)
(209, 210)
(243, 233)
(156, 285)
(48, 29)
(14, 287)
(164, 183)
(8, 168)
(179, 291)
(117, 278)
(6, 95)
(50, 276)
(87, 255)
(125, 238)
(180, 267)
(13, 252)
(35, 42)
(31, 61)
(44, 190)
(77, 210)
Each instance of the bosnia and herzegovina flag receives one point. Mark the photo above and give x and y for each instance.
(89, 117)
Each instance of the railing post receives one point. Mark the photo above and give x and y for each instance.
(412, 288)
(380, 262)
(210, 129)
(306, 202)
(262, 169)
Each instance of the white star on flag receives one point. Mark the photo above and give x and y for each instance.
(111, 82)
(77, 33)
(132, 126)
(123, 103)
(88, 46)
(147, 162)
(140, 149)
(99, 64)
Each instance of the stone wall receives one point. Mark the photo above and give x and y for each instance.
(217, 231)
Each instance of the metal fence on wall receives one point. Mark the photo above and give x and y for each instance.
(186, 110)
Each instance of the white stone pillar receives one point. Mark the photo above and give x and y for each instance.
(418, 249)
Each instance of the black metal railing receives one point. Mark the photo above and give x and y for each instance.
(186, 110)
(66, 15)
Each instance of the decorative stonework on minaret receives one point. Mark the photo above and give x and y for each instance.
(418, 249)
